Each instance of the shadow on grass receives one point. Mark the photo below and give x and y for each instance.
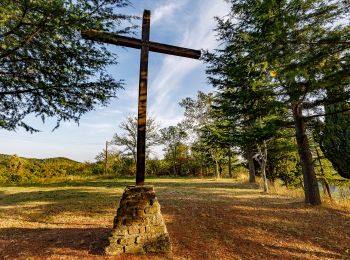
(205, 219)
(150, 180)
(49, 207)
(258, 228)
(26, 242)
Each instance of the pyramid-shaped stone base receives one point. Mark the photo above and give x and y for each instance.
(138, 227)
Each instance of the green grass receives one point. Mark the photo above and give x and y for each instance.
(206, 218)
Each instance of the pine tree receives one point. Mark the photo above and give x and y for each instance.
(335, 136)
(292, 52)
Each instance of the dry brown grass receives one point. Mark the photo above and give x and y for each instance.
(206, 219)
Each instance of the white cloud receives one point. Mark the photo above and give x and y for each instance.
(198, 34)
(96, 126)
(131, 92)
(115, 111)
(166, 11)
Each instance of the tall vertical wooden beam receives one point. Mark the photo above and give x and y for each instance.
(145, 45)
(141, 122)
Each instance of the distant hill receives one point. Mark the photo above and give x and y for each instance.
(4, 157)
(14, 169)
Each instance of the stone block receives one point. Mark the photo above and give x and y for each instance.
(120, 230)
(156, 220)
(134, 249)
(134, 229)
(128, 222)
(159, 229)
(142, 230)
(138, 226)
(138, 240)
(114, 250)
(152, 209)
(121, 241)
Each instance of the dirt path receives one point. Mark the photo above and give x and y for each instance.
(206, 219)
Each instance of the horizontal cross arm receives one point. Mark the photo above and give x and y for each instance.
(111, 38)
(174, 50)
(137, 44)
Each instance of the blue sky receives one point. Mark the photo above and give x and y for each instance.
(186, 23)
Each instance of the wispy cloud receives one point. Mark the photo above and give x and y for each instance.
(115, 111)
(93, 129)
(187, 23)
(166, 10)
(173, 71)
(97, 126)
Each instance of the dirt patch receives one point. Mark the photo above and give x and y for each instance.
(206, 219)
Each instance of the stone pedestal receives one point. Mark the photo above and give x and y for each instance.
(138, 227)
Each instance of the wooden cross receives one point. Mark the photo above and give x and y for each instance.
(145, 45)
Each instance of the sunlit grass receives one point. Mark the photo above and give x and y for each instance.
(203, 216)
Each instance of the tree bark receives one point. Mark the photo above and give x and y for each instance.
(106, 157)
(311, 190)
(263, 167)
(251, 166)
(229, 162)
(326, 188)
(174, 161)
(217, 169)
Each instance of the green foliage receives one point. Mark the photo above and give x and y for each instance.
(117, 164)
(14, 169)
(127, 139)
(277, 60)
(46, 68)
(173, 138)
(335, 138)
(283, 162)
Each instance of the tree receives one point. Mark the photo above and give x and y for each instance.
(127, 139)
(199, 121)
(334, 137)
(242, 106)
(293, 50)
(283, 160)
(46, 68)
(117, 164)
(173, 138)
(197, 113)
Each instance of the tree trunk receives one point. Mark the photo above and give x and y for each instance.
(229, 162)
(174, 161)
(174, 168)
(312, 194)
(263, 175)
(325, 185)
(106, 157)
(217, 169)
(263, 167)
(328, 190)
(251, 166)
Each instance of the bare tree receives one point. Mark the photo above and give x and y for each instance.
(127, 139)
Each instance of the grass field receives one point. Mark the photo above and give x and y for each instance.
(206, 219)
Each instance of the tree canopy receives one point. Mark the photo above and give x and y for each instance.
(126, 140)
(277, 62)
(46, 68)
